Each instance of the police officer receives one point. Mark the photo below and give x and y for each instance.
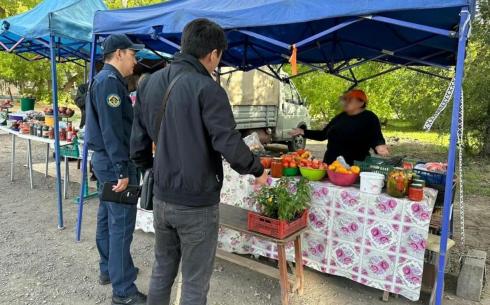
(109, 120)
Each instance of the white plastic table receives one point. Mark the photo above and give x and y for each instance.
(29, 138)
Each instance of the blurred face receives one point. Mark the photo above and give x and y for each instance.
(351, 105)
(126, 60)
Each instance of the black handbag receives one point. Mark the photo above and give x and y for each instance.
(146, 201)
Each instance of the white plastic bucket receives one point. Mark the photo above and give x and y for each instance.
(372, 183)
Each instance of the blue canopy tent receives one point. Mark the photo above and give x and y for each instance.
(58, 30)
(326, 35)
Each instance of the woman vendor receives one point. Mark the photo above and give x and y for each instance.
(350, 134)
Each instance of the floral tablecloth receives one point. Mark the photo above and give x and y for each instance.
(376, 240)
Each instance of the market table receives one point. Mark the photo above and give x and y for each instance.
(376, 240)
(29, 138)
(48, 142)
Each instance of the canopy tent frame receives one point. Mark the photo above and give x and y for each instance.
(461, 34)
(45, 40)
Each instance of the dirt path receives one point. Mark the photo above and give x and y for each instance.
(40, 264)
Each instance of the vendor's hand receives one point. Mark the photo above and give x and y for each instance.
(262, 180)
(296, 132)
(382, 150)
(121, 186)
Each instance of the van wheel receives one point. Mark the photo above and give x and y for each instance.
(298, 142)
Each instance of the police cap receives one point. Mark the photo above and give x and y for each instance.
(119, 41)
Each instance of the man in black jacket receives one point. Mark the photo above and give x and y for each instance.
(197, 130)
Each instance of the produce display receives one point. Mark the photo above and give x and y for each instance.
(65, 112)
(5, 104)
(436, 167)
(408, 181)
(33, 123)
(312, 174)
(341, 168)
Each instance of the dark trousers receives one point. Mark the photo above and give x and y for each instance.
(115, 228)
(186, 234)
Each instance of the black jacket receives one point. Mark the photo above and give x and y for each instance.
(197, 131)
(80, 101)
(349, 136)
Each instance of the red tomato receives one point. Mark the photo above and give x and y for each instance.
(285, 164)
(293, 164)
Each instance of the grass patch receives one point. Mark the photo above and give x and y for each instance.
(476, 175)
(406, 140)
(405, 131)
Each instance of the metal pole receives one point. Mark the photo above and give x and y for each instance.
(47, 161)
(463, 33)
(54, 83)
(29, 162)
(12, 161)
(84, 185)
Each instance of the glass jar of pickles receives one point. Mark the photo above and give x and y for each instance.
(398, 181)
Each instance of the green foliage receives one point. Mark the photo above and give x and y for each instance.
(115, 4)
(286, 200)
(34, 78)
(414, 97)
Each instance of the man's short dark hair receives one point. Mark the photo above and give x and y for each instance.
(201, 37)
(109, 57)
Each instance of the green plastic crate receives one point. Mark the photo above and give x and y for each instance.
(375, 165)
(70, 150)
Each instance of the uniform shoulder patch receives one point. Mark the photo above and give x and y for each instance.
(113, 100)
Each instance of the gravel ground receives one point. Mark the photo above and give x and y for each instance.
(40, 264)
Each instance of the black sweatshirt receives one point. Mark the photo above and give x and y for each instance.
(197, 131)
(349, 136)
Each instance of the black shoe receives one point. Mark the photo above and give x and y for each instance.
(105, 280)
(137, 299)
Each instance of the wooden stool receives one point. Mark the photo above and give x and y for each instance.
(236, 219)
(434, 245)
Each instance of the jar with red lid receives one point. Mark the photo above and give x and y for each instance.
(276, 168)
(416, 192)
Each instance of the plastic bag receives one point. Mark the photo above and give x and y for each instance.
(253, 142)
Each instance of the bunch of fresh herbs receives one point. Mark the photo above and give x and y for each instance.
(286, 199)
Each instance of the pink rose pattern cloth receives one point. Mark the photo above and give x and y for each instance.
(375, 240)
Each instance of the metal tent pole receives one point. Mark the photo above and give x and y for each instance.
(54, 84)
(85, 147)
(463, 36)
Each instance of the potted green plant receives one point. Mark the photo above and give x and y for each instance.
(284, 208)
